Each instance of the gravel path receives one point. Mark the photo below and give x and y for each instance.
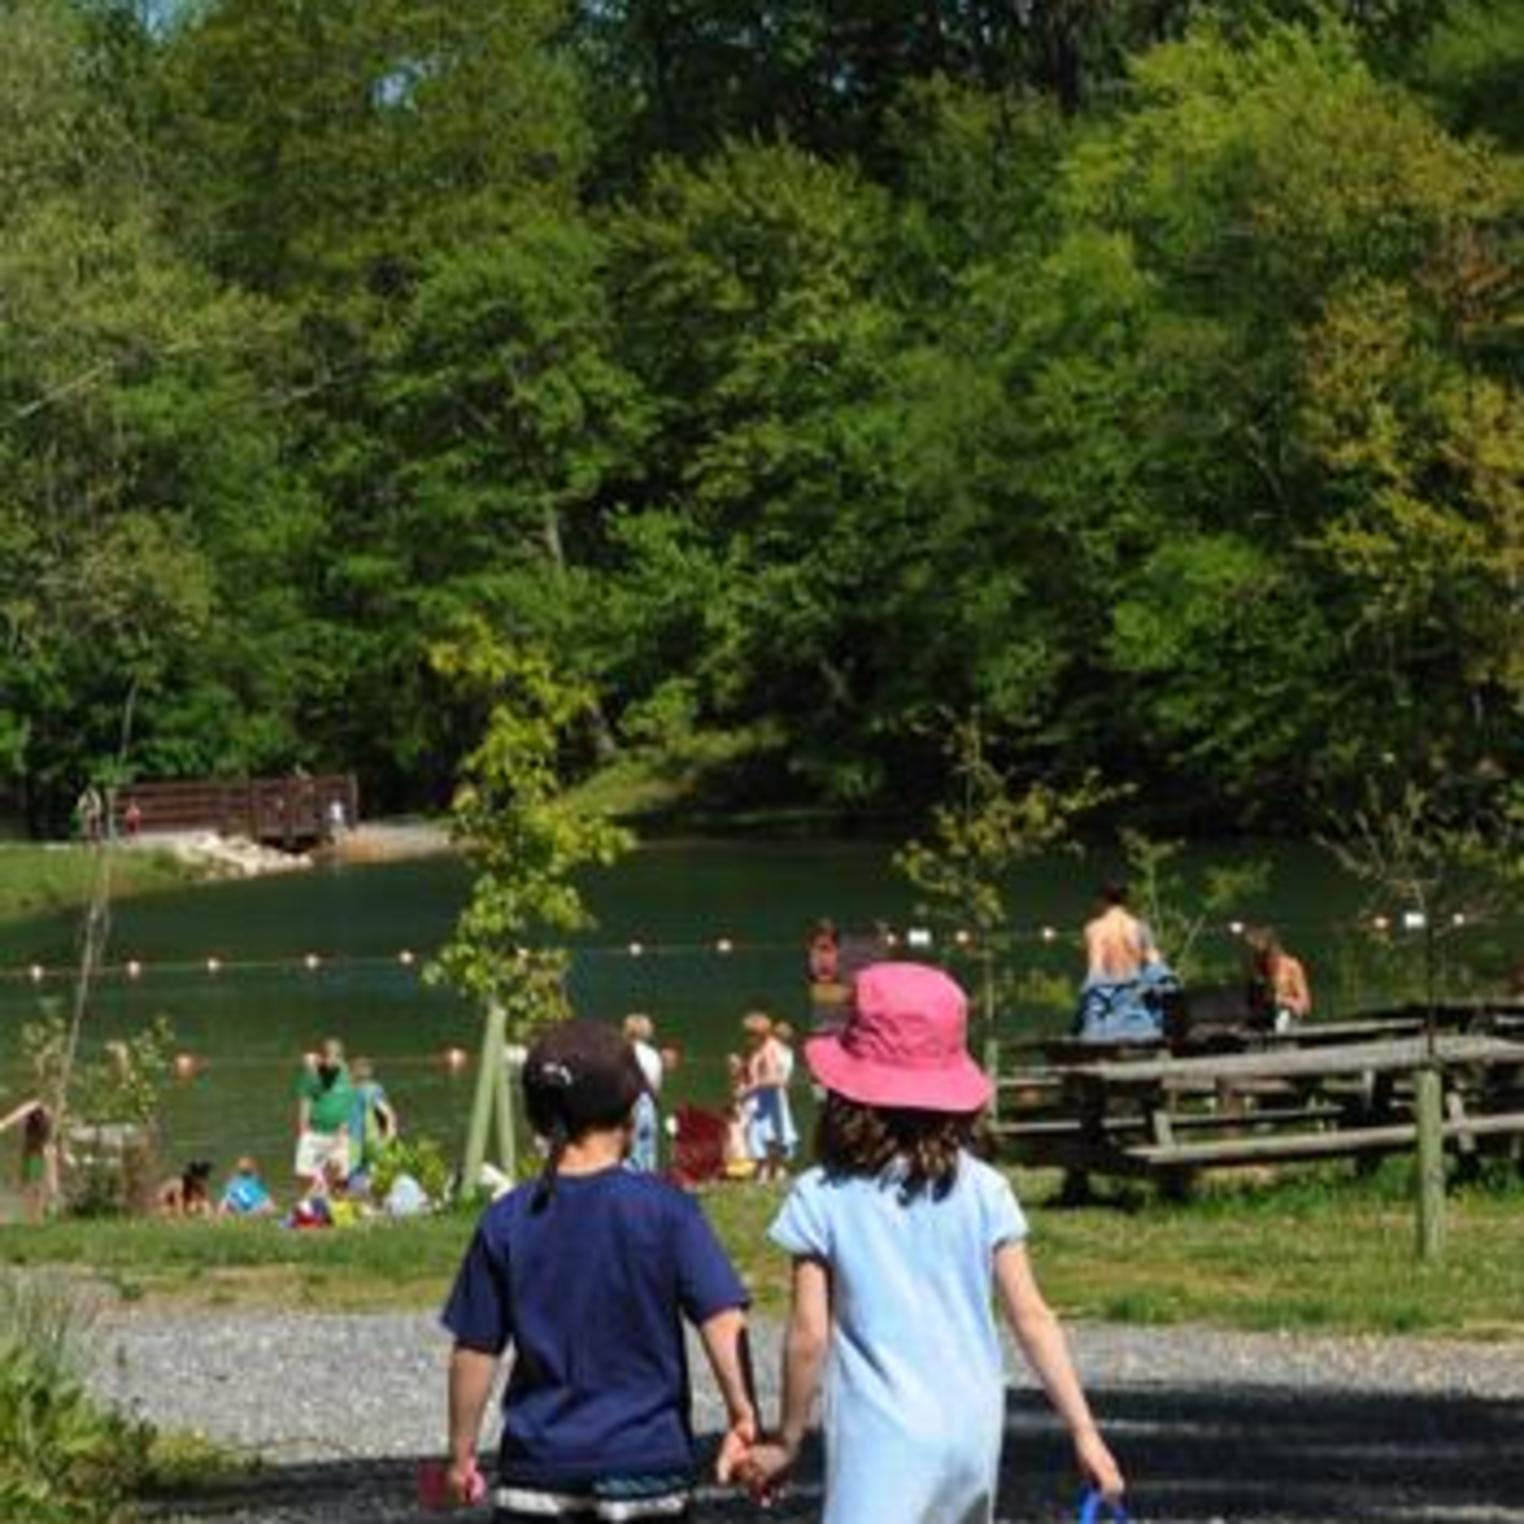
(1259, 1428)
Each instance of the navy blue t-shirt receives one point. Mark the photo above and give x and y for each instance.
(591, 1291)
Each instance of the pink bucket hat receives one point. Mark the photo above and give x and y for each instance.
(904, 1043)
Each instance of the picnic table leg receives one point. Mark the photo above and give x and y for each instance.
(1380, 1088)
(1429, 1111)
(1088, 1102)
(1468, 1157)
(1174, 1180)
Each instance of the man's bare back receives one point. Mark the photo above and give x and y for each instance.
(1116, 945)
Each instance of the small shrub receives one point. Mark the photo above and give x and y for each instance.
(63, 1458)
(422, 1157)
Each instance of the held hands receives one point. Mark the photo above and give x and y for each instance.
(760, 1466)
(735, 1448)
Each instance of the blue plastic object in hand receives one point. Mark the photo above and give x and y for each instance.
(1094, 1508)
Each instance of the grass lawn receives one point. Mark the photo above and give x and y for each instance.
(1313, 1251)
(36, 878)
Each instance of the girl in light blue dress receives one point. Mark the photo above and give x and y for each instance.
(899, 1235)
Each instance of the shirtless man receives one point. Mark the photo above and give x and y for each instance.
(1118, 945)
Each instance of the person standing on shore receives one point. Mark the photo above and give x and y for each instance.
(325, 1102)
(39, 1157)
(372, 1121)
(771, 1138)
(645, 1146)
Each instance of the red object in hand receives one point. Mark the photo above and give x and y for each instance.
(434, 1486)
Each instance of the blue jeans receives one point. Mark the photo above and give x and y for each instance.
(645, 1150)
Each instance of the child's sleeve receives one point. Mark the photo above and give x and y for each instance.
(1005, 1222)
(477, 1312)
(803, 1227)
(706, 1281)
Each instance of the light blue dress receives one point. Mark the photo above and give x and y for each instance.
(915, 1386)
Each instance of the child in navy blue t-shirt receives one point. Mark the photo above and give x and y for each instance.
(588, 1274)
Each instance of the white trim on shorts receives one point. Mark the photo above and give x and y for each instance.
(583, 1505)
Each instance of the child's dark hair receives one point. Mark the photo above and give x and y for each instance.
(580, 1076)
(854, 1139)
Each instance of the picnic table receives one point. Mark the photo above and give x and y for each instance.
(1149, 1112)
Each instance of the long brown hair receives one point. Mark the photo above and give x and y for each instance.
(852, 1139)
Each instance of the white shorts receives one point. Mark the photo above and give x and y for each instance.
(315, 1151)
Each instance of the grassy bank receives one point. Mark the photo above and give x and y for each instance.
(35, 879)
(1308, 1252)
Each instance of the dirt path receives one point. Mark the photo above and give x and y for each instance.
(1251, 1428)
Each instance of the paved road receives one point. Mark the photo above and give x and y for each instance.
(1250, 1428)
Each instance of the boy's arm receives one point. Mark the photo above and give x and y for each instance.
(471, 1375)
(729, 1355)
(1042, 1341)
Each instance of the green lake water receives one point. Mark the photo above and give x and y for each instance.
(249, 1022)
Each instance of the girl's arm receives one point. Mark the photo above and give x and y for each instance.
(804, 1349)
(1042, 1342)
(20, 1114)
(729, 1356)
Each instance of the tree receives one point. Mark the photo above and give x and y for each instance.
(526, 842)
(963, 869)
(147, 518)
(1447, 852)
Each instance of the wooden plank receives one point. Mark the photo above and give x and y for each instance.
(1346, 1142)
(1353, 1058)
(1037, 1128)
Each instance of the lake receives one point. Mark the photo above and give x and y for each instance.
(695, 933)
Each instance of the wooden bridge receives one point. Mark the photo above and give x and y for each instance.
(288, 812)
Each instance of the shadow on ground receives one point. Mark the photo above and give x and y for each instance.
(1245, 1455)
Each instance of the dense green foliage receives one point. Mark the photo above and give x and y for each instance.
(1146, 375)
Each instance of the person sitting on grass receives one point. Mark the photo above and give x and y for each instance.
(899, 1238)
(187, 1194)
(245, 1194)
(588, 1273)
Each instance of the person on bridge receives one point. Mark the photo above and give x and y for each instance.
(1125, 975)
